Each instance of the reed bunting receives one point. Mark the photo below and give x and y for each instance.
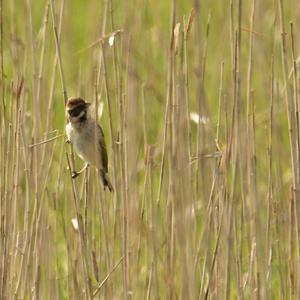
(87, 138)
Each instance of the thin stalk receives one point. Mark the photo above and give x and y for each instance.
(58, 51)
(289, 107)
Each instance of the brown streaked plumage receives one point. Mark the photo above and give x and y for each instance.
(87, 138)
(74, 101)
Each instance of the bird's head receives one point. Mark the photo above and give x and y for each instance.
(77, 109)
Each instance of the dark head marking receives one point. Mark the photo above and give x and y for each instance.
(74, 101)
(75, 112)
(75, 106)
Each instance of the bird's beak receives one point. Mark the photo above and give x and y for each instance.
(87, 104)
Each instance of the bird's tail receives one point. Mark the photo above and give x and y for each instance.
(106, 181)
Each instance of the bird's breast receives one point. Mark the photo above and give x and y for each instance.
(85, 144)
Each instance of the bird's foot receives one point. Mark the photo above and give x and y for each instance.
(74, 174)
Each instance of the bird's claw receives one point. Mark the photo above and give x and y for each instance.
(75, 174)
(68, 142)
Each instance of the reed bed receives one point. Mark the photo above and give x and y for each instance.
(199, 103)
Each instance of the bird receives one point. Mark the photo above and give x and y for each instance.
(87, 138)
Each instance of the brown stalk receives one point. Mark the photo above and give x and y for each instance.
(83, 246)
(290, 107)
(58, 51)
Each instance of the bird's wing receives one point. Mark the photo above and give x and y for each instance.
(103, 150)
